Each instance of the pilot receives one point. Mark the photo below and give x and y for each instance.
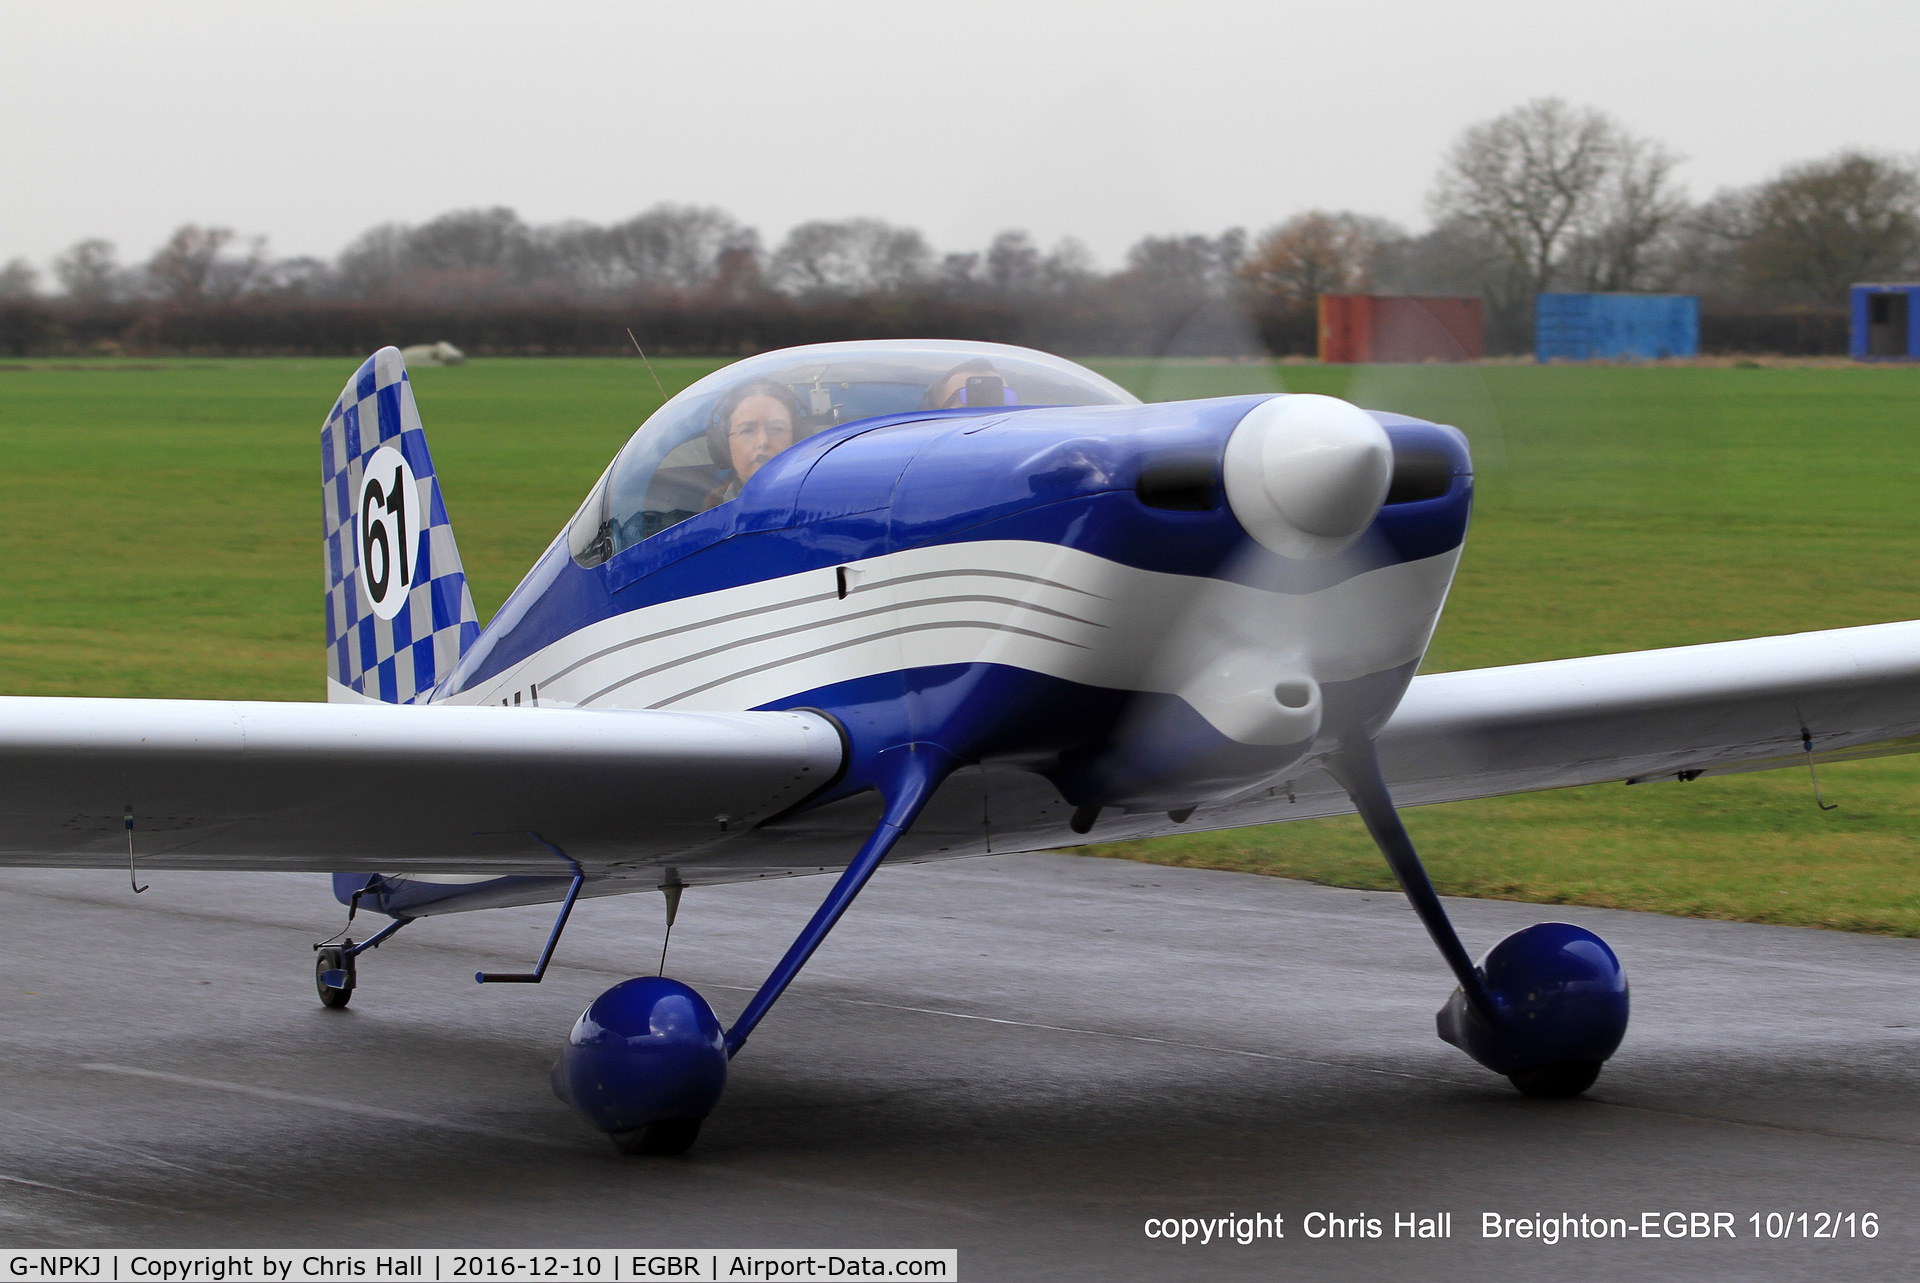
(972, 382)
(754, 422)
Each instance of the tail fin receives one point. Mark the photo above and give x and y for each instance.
(399, 615)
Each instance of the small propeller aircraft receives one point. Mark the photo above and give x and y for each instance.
(909, 601)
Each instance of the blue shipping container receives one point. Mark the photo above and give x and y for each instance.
(1609, 327)
(1886, 322)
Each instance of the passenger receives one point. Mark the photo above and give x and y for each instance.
(753, 423)
(970, 383)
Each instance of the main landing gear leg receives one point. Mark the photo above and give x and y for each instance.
(916, 777)
(1546, 1006)
(647, 1061)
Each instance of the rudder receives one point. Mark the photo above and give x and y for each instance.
(399, 613)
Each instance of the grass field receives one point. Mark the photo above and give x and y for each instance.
(162, 521)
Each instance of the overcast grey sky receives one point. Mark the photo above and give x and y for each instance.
(308, 122)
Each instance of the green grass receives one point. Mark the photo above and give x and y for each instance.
(161, 538)
(162, 518)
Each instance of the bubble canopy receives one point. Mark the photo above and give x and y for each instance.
(694, 452)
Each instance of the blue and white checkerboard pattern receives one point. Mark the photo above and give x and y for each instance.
(399, 660)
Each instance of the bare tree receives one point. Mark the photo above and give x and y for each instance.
(1318, 253)
(1013, 264)
(1706, 244)
(463, 254)
(19, 280)
(374, 262)
(581, 255)
(89, 271)
(1550, 193)
(1068, 266)
(1530, 178)
(1186, 267)
(1627, 239)
(739, 269)
(493, 240)
(960, 273)
(1818, 227)
(291, 278)
(193, 267)
(858, 256)
(675, 246)
(179, 270)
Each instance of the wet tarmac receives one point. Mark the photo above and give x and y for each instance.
(1027, 1058)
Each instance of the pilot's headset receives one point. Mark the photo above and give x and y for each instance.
(722, 417)
(984, 386)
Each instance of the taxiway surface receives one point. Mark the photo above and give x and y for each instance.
(1023, 1057)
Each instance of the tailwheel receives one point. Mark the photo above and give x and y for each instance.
(1556, 1082)
(333, 975)
(670, 1136)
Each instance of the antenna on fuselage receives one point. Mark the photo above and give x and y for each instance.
(649, 364)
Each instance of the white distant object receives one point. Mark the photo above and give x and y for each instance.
(442, 353)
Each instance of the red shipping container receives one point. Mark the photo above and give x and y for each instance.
(1386, 328)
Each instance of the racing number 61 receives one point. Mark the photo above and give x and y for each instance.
(389, 529)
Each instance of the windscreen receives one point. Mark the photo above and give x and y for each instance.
(698, 449)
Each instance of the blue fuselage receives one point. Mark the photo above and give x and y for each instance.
(1043, 588)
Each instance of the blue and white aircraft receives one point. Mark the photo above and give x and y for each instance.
(909, 601)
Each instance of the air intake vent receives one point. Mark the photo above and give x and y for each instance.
(1181, 485)
(1419, 474)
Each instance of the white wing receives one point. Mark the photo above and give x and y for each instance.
(377, 787)
(1641, 716)
(1730, 706)
(481, 791)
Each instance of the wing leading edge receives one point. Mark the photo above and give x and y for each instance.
(1715, 709)
(374, 787)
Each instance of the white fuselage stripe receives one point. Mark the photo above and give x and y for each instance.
(1042, 607)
